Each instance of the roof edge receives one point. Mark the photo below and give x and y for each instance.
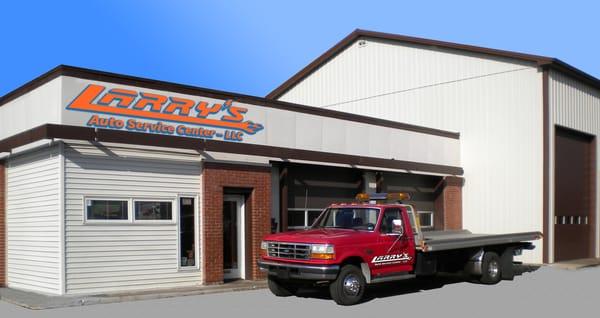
(54, 131)
(33, 84)
(84, 73)
(544, 61)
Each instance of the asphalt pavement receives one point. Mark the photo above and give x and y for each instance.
(547, 292)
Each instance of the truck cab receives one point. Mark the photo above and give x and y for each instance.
(376, 239)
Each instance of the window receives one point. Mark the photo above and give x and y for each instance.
(349, 218)
(426, 219)
(107, 209)
(153, 210)
(302, 218)
(187, 233)
(388, 217)
(128, 210)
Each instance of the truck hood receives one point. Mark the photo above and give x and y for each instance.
(316, 236)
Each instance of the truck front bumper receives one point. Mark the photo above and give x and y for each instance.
(299, 271)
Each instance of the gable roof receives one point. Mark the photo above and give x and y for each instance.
(542, 61)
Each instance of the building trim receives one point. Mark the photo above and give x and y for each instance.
(62, 221)
(3, 227)
(53, 131)
(358, 33)
(83, 73)
(546, 164)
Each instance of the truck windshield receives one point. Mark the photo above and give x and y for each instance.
(348, 218)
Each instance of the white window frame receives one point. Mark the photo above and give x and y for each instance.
(431, 216)
(197, 236)
(174, 210)
(98, 198)
(131, 210)
(306, 225)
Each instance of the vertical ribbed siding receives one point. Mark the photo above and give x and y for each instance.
(577, 106)
(32, 221)
(574, 104)
(119, 257)
(495, 104)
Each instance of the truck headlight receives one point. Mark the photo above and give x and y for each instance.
(264, 247)
(322, 251)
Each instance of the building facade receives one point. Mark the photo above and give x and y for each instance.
(112, 183)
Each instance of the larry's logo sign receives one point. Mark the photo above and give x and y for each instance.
(159, 108)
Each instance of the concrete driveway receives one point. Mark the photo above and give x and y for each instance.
(546, 292)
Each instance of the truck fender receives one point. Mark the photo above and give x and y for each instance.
(366, 271)
(473, 265)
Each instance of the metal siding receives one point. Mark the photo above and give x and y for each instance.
(41, 105)
(32, 221)
(476, 95)
(577, 106)
(297, 130)
(120, 257)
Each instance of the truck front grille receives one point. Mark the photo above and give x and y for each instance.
(289, 250)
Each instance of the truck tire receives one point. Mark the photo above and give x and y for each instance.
(281, 289)
(491, 269)
(349, 287)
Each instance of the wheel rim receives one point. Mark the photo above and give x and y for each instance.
(493, 269)
(351, 285)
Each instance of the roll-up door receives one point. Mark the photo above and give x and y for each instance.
(574, 195)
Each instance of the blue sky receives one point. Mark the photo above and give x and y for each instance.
(252, 46)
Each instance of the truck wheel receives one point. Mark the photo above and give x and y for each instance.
(349, 286)
(280, 289)
(491, 270)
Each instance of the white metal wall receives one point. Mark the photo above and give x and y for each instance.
(495, 104)
(32, 221)
(577, 106)
(289, 129)
(120, 257)
(37, 107)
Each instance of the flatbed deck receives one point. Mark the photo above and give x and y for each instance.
(448, 240)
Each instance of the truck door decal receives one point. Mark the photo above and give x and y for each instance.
(391, 259)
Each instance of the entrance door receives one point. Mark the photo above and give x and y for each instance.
(233, 237)
(574, 195)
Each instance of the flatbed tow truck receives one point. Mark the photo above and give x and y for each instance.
(379, 239)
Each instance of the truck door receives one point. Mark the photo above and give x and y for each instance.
(394, 253)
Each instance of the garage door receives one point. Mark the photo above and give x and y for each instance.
(574, 195)
(308, 189)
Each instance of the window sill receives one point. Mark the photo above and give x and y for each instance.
(188, 270)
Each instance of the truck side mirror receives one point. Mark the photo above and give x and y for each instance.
(398, 227)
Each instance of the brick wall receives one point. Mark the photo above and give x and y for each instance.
(256, 182)
(448, 204)
(2, 225)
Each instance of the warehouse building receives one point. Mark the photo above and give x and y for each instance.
(111, 183)
(527, 124)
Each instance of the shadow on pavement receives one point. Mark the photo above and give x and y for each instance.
(391, 289)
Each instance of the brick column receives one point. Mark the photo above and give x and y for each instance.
(256, 182)
(448, 204)
(2, 225)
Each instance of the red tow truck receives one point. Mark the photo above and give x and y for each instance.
(352, 245)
